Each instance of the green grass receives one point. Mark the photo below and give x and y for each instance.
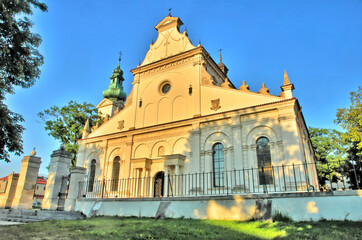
(146, 228)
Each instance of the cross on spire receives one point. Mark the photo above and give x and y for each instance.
(120, 55)
(119, 59)
(220, 54)
(169, 12)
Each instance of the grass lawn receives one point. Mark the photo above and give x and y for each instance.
(146, 228)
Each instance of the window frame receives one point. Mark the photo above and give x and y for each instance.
(264, 165)
(218, 168)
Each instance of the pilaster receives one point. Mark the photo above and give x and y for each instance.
(195, 148)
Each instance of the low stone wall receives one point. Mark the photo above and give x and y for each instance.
(313, 206)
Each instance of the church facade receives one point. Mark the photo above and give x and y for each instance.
(184, 118)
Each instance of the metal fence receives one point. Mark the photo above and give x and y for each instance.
(339, 175)
(284, 178)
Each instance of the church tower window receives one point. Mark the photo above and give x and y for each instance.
(115, 173)
(218, 164)
(92, 174)
(264, 161)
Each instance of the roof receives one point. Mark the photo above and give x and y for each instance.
(7, 177)
(40, 180)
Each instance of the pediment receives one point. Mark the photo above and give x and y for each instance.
(105, 102)
(169, 41)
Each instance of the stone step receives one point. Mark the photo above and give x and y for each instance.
(23, 220)
(37, 215)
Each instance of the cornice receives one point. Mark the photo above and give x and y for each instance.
(190, 121)
(167, 62)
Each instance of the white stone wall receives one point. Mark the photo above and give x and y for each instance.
(346, 205)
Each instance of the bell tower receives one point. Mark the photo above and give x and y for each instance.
(114, 96)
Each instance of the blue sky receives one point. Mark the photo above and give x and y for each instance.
(317, 42)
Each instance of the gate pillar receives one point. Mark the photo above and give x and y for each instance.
(58, 170)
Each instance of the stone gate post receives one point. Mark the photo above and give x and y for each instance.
(59, 168)
(24, 193)
(77, 175)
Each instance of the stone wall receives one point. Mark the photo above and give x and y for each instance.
(313, 206)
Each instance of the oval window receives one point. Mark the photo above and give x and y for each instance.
(165, 88)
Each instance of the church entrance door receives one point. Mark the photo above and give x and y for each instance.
(158, 184)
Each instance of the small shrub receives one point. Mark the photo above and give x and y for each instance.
(281, 217)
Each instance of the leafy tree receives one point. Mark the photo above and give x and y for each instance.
(351, 120)
(20, 64)
(10, 133)
(66, 123)
(330, 151)
(354, 166)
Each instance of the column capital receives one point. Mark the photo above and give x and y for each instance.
(61, 153)
(79, 170)
(196, 132)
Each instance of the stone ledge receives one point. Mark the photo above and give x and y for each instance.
(231, 197)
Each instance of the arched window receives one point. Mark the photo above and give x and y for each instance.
(92, 173)
(115, 174)
(218, 164)
(161, 151)
(264, 161)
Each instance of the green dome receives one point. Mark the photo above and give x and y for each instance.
(115, 89)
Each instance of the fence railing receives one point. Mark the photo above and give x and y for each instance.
(340, 174)
(284, 178)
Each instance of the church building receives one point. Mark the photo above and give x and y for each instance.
(185, 129)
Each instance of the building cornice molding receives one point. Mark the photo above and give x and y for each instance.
(188, 122)
(167, 62)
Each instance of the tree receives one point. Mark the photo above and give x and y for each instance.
(331, 152)
(351, 120)
(66, 123)
(10, 133)
(20, 63)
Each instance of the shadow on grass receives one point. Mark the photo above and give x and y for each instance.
(147, 228)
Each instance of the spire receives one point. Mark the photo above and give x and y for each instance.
(86, 129)
(286, 78)
(115, 89)
(221, 65)
(287, 88)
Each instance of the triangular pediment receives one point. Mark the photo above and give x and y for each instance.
(105, 102)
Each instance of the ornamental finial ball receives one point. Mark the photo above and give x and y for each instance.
(33, 153)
